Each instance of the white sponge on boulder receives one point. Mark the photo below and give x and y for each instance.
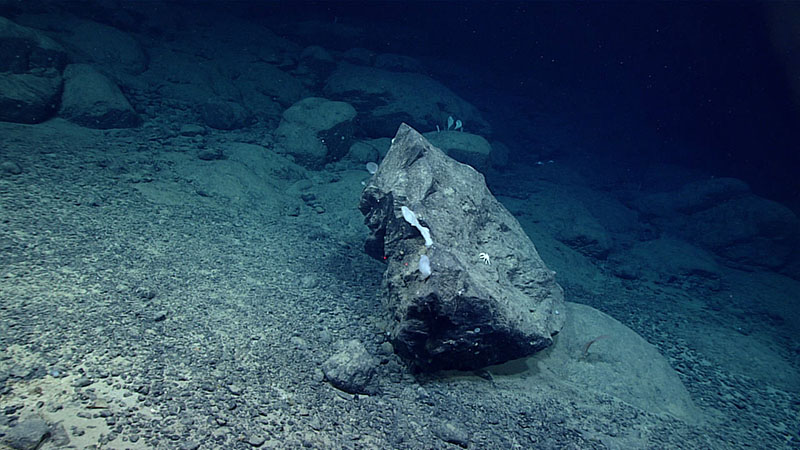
(412, 219)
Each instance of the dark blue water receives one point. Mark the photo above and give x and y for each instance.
(709, 85)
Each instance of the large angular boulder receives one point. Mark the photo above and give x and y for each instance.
(464, 284)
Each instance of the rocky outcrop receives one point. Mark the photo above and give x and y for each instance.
(316, 131)
(384, 99)
(92, 100)
(25, 50)
(463, 147)
(464, 284)
(595, 352)
(28, 98)
(723, 216)
(103, 46)
(30, 74)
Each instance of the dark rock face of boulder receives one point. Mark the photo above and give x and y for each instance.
(30, 74)
(487, 296)
(25, 50)
(28, 98)
(316, 131)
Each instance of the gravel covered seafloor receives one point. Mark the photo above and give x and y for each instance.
(190, 323)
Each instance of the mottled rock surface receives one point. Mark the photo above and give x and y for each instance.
(489, 297)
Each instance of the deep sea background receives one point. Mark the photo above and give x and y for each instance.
(708, 85)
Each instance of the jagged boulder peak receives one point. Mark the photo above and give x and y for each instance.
(474, 292)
